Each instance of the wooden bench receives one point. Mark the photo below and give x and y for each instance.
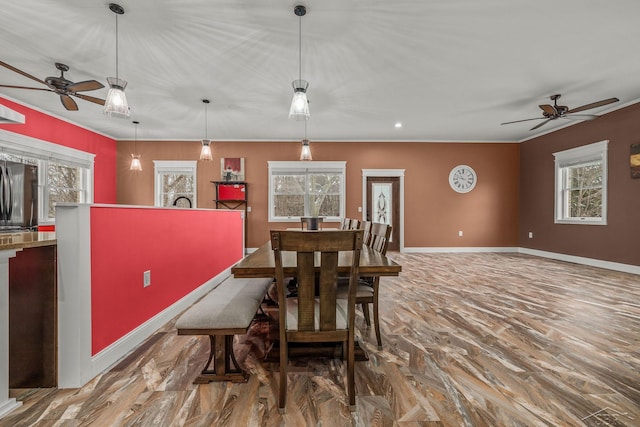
(226, 311)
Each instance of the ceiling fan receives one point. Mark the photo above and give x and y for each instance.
(555, 111)
(60, 85)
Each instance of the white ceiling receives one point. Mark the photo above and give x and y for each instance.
(448, 70)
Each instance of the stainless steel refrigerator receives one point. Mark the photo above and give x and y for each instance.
(18, 196)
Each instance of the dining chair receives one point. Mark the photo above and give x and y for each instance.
(366, 226)
(322, 317)
(368, 287)
(345, 224)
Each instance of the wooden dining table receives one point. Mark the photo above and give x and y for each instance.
(261, 263)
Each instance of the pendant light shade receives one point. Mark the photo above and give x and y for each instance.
(299, 104)
(135, 163)
(135, 158)
(205, 152)
(305, 153)
(116, 104)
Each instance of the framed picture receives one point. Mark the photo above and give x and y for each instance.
(635, 160)
(232, 168)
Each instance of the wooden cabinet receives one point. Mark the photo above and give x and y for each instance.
(33, 318)
(232, 195)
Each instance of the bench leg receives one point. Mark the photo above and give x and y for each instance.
(222, 355)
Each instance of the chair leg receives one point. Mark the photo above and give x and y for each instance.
(376, 320)
(365, 311)
(284, 360)
(351, 386)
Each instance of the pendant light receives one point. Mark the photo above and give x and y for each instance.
(116, 104)
(205, 152)
(299, 104)
(305, 153)
(135, 158)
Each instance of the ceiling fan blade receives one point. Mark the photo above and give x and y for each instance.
(594, 105)
(12, 68)
(84, 86)
(580, 117)
(90, 98)
(518, 121)
(68, 103)
(541, 124)
(548, 109)
(26, 87)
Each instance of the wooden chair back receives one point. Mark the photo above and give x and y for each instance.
(379, 239)
(307, 318)
(350, 224)
(366, 226)
(315, 252)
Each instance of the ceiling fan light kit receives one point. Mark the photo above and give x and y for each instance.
(299, 104)
(116, 104)
(555, 111)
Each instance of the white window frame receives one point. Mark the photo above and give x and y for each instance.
(596, 152)
(174, 166)
(43, 152)
(305, 167)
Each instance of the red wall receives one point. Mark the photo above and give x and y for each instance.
(47, 128)
(182, 248)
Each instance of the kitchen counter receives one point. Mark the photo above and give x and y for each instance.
(26, 239)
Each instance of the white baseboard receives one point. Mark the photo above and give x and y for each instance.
(8, 406)
(111, 355)
(458, 249)
(625, 268)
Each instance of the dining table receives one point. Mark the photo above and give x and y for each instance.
(261, 263)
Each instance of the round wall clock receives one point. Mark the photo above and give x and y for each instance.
(463, 178)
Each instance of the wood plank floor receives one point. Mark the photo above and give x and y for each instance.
(469, 340)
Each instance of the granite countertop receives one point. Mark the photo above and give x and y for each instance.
(26, 240)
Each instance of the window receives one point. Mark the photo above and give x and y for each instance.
(64, 184)
(174, 179)
(581, 185)
(306, 189)
(64, 174)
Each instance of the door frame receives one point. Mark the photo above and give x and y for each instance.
(399, 173)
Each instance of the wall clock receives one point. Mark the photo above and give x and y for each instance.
(463, 178)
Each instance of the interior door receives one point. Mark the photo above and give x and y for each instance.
(383, 205)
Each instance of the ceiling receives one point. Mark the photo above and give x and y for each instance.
(449, 71)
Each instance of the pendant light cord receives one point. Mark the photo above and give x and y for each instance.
(117, 49)
(206, 127)
(300, 46)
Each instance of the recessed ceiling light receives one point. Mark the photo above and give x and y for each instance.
(398, 125)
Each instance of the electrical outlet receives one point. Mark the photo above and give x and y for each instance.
(359, 208)
(248, 208)
(531, 234)
(146, 278)
(460, 233)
